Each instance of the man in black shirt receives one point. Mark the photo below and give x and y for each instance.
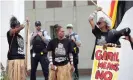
(60, 57)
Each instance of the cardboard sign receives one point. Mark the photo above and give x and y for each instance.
(106, 64)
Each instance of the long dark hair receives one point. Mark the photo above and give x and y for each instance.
(14, 22)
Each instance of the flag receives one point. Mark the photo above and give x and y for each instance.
(113, 11)
(123, 19)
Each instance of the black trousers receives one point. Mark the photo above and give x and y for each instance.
(44, 64)
(76, 72)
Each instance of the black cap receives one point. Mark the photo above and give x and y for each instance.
(37, 23)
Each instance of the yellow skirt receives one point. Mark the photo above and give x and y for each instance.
(62, 73)
(16, 69)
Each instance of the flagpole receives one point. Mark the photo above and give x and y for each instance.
(102, 10)
(27, 42)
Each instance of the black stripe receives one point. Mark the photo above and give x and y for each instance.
(122, 7)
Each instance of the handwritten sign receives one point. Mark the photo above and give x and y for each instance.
(106, 64)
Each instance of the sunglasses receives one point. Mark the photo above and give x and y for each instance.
(69, 27)
(98, 23)
(37, 26)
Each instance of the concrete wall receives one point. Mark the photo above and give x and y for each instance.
(78, 16)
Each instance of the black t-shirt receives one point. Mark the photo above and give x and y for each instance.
(60, 50)
(101, 38)
(104, 37)
(16, 48)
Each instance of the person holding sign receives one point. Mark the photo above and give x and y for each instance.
(60, 57)
(16, 58)
(100, 30)
(103, 32)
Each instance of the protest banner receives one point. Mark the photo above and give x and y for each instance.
(106, 63)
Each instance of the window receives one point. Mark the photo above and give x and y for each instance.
(34, 4)
(90, 3)
(53, 4)
(74, 3)
(53, 32)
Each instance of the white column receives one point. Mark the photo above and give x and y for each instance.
(9, 8)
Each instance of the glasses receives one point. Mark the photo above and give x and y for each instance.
(37, 26)
(98, 23)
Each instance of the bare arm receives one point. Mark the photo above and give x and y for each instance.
(91, 17)
(91, 20)
(16, 30)
(50, 57)
(45, 37)
(71, 58)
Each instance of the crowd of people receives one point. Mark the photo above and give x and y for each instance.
(59, 57)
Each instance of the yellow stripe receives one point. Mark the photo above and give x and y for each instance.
(114, 14)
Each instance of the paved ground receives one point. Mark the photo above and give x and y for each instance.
(81, 78)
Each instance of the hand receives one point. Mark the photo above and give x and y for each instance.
(40, 33)
(99, 9)
(72, 68)
(105, 47)
(73, 39)
(109, 45)
(78, 44)
(34, 34)
(127, 38)
(22, 25)
(27, 20)
(53, 67)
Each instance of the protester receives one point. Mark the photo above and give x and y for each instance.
(60, 57)
(103, 32)
(16, 57)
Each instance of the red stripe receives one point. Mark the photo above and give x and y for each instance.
(112, 8)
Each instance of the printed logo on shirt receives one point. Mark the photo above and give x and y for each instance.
(20, 45)
(101, 41)
(59, 52)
